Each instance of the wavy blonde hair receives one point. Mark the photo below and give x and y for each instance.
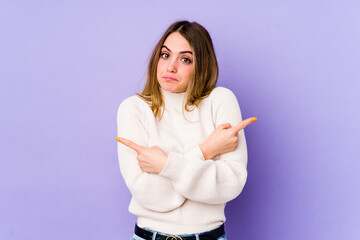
(205, 73)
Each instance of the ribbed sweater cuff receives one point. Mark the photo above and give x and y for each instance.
(178, 162)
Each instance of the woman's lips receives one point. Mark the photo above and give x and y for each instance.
(169, 79)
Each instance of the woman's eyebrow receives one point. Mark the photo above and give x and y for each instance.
(180, 52)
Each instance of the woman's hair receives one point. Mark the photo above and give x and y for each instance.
(205, 73)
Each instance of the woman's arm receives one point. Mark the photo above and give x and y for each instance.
(152, 191)
(212, 181)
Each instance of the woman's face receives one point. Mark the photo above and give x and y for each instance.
(175, 65)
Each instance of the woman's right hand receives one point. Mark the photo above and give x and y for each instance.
(223, 139)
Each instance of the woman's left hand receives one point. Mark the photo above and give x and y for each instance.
(151, 159)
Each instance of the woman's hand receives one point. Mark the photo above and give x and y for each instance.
(151, 159)
(223, 139)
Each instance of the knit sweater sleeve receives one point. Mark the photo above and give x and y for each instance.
(152, 191)
(212, 181)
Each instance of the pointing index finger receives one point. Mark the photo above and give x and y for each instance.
(130, 144)
(243, 124)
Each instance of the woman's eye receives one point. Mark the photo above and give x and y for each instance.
(186, 60)
(164, 55)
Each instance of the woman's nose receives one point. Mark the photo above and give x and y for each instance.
(172, 65)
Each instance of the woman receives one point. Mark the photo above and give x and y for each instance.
(183, 153)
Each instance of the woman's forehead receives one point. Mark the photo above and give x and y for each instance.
(175, 42)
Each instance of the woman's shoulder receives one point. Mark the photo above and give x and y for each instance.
(132, 105)
(219, 90)
(221, 94)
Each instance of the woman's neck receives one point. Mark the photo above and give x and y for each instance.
(173, 100)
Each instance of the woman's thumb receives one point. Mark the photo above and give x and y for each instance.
(226, 125)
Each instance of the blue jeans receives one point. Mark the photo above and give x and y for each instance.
(136, 237)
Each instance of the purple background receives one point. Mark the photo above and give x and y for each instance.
(65, 66)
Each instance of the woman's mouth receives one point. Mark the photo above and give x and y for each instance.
(169, 79)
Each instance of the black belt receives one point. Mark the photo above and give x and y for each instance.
(211, 235)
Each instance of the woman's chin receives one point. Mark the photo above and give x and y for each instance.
(169, 87)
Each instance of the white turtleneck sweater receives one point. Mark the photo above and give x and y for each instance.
(189, 195)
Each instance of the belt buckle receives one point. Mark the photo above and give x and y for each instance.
(173, 237)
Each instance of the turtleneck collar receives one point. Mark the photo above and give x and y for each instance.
(173, 100)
